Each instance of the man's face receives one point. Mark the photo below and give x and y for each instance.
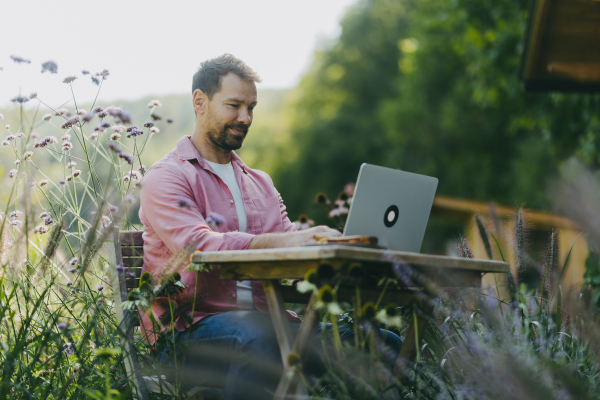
(229, 113)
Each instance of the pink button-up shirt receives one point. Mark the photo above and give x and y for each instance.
(179, 192)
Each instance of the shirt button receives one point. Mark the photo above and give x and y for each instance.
(231, 201)
(232, 294)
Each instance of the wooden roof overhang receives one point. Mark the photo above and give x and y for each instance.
(562, 46)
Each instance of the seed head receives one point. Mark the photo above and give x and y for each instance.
(43, 182)
(5, 143)
(60, 112)
(12, 173)
(10, 138)
(44, 215)
(71, 164)
(81, 111)
(66, 146)
(154, 103)
(76, 173)
(27, 155)
(20, 135)
(115, 136)
(154, 130)
(130, 199)
(15, 223)
(93, 136)
(33, 95)
(62, 181)
(148, 124)
(102, 114)
(1, 117)
(155, 117)
(17, 162)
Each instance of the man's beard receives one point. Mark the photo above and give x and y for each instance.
(226, 139)
(222, 136)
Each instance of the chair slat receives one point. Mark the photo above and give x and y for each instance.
(132, 251)
(133, 262)
(131, 238)
(132, 283)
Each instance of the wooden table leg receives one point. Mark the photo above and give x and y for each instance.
(290, 382)
(279, 317)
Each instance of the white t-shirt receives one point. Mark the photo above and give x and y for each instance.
(227, 175)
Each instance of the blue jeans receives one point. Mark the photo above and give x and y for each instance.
(238, 350)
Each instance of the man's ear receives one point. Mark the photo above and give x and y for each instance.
(199, 100)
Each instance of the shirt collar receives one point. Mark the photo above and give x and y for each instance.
(187, 151)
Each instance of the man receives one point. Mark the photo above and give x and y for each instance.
(203, 179)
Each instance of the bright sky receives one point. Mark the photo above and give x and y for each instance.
(154, 47)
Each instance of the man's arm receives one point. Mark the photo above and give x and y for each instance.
(291, 239)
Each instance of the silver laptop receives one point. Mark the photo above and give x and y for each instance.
(393, 205)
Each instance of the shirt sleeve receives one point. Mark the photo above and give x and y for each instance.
(169, 206)
(287, 225)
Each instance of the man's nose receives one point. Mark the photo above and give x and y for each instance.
(244, 116)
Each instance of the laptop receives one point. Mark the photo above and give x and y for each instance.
(392, 205)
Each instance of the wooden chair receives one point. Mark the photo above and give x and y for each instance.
(128, 251)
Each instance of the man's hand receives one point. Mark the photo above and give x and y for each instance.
(291, 239)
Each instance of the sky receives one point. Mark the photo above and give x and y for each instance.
(154, 47)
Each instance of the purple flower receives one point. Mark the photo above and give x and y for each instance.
(95, 80)
(87, 117)
(69, 283)
(131, 274)
(73, 261)
(148, 124)
(100, 288)
(49, 66)
(85, 72)
(73, 270)
(49, 221)
(119, 268)
(124, 117)
(68, 349)
(215, 219)
(62, 326)
(69, 79)
(20, 60)
(105, 124)
(170, 120)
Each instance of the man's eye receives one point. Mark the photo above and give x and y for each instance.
(250, 109)
(233, 105)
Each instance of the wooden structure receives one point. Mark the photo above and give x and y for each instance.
(500, 221)
(270, 265)
(127, 250)
(562, 46)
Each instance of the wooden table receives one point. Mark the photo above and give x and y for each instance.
(271, 265)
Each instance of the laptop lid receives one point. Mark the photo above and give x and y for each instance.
(393, 205)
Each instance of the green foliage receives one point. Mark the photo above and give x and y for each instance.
(432, 87)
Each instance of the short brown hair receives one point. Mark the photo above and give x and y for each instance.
(208, 76)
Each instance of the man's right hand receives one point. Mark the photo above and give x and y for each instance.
(292, 239)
